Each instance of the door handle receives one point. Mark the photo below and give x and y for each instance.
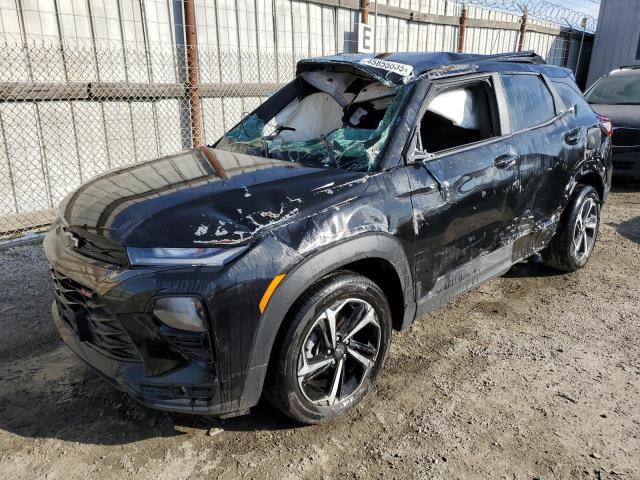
(572, 137)
(505, 161)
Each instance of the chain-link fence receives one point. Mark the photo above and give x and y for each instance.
(57, 134)
(87, 86)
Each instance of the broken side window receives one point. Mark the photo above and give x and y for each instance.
(322, 118)
(459, 116)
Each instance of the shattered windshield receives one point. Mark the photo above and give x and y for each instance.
(330, 119)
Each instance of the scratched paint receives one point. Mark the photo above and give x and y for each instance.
(448, 222)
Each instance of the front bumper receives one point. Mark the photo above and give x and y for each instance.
(116, 333)
(626, 162)
(171, 392)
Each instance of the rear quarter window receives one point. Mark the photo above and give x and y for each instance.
(570, 95)
(529, 101)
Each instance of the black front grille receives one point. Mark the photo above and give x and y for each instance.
(626, 137)
(622, 165)
(98, 247)
(194, 345)
(92, 320)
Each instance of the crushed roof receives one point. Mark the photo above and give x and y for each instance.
(433, 64)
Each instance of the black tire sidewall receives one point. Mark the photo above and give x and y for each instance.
(339, 287)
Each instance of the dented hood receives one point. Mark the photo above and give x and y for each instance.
(204, 197)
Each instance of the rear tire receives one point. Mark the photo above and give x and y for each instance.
(572, 245)
(333, 348)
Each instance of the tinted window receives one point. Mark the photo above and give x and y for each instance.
(615, 90)
(530, 102)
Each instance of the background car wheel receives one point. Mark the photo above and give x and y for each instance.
(332, 349)
(573, 243)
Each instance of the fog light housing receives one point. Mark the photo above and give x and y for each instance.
(181, 313)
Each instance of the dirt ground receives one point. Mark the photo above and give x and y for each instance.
(533, 375)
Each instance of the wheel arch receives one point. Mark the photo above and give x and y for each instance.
(590, 173)
(382, 272)
(594, 180)
(360, 254)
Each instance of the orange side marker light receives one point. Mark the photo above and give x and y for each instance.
(269, 291)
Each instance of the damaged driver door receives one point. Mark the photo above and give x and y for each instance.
(464, 182)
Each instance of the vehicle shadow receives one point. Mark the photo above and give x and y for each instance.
(629, 229)
(533, 267)
(47, 392)
(66, 400)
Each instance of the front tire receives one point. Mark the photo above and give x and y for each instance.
(332, 350)
(573, 243)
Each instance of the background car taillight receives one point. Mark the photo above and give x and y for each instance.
(607, 124)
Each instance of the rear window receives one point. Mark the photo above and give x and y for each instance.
(615, 90)
(529, 100)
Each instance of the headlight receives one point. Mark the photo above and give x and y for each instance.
(182, 256)
(183, 313)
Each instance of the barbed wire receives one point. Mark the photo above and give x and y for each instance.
(542, 10)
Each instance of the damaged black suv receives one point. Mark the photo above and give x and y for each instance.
(363, 194)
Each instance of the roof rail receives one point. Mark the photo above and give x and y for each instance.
(528, 56)
(622, 68)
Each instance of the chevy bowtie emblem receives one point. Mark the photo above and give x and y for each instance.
(75, 241)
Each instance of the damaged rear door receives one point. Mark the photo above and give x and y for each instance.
(546, 142)
(464, 181)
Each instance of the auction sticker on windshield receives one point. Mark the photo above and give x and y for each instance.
(395, 67)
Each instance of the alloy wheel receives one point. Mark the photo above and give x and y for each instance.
(584, 232)
(339, 352)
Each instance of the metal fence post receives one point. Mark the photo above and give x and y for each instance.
(583, 24)
(567, 48)
(523, 28)
(463, 27)
(364, 11)
(181, 74)
(192, 90)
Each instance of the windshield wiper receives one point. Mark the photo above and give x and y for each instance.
(330, 151)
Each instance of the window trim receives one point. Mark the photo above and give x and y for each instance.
(558, 102)
(438, 86)
(555, 99)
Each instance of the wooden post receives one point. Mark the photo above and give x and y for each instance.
(523, 28)
(364, 11)
(463, 27)
(193, 77)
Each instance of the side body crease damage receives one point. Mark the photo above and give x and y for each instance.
(428, 180)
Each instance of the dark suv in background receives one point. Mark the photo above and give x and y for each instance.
(616, 96)
(363, 194)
